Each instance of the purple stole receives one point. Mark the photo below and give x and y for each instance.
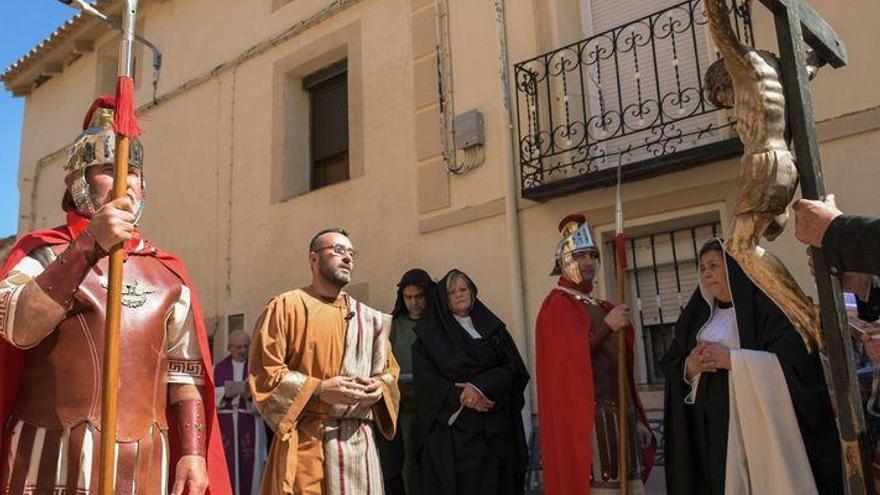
(247, 435)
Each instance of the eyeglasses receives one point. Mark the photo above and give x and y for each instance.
(340, 250)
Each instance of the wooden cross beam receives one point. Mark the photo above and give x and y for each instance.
(816, 31)
(796, 22)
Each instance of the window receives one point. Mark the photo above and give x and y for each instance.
(328, 125)
(662, 275)
(235, 323)
(317, 112)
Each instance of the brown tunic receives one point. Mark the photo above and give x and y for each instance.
(299, 341)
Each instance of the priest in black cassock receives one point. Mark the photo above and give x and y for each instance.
(747, 408)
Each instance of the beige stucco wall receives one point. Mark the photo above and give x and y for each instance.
(838, 91)
(212, 148)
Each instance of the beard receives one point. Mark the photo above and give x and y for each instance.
(336, 276)
(587, 276)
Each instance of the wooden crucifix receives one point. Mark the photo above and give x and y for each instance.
(798, 23)
(770, 95)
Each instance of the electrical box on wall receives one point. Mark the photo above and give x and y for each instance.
(469, 129)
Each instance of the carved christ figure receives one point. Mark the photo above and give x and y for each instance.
(768, 176)
(752, 85)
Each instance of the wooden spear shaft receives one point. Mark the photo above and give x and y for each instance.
(111, 333)
(110, 383)
(622, 379)
(622, 389)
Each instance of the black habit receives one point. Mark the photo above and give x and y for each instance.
(480, 453)
(852, 244)
(696, 435)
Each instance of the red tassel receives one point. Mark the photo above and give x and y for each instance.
(125, 121)
(620, 249)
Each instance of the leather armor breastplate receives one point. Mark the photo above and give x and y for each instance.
(61, 380)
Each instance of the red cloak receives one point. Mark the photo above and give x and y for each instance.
(565, 391)
(12, 359)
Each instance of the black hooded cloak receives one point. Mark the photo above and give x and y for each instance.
(393, 453)
(696, 435)
(482, 453)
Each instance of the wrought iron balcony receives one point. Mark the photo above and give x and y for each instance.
(631, 96)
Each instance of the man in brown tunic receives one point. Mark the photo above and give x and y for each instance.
(322, 375)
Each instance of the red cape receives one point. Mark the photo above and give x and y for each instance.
(13, 358)
(566, 411)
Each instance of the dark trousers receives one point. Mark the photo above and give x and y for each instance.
(399, 468)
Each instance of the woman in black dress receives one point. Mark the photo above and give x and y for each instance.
(469, 383)
(747, 408)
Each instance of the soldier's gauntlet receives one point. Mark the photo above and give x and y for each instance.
(45, 300)
(192, 427)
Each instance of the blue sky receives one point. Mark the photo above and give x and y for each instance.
(22, 26)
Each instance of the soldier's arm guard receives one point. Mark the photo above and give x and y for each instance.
(192, 426)
(62, 277)
(39, 291)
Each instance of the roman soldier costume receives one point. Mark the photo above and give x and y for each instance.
(51, 397)
(577, 361)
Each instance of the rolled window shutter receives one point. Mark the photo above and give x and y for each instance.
(330, 117)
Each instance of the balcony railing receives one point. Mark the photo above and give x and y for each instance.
(631, 96)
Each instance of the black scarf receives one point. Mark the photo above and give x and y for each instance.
(459, 356)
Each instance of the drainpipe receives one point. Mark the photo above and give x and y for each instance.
(511, 212)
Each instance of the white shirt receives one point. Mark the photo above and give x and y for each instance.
(237, 370)
(237, 375)
(468, 325)
(721, 328)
